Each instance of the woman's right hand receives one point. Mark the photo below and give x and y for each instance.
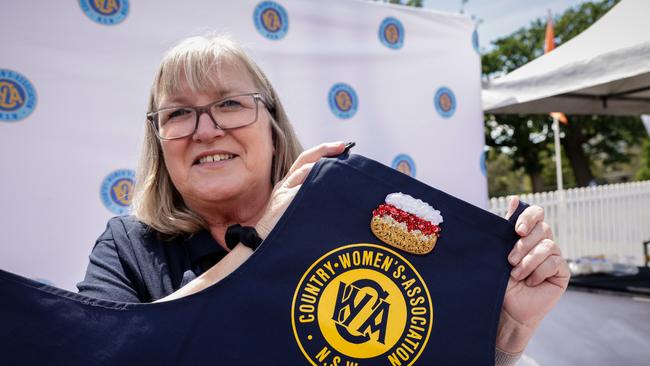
(286, 189)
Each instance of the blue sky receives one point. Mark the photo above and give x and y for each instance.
(502, 17)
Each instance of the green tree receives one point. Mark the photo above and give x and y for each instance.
(644, 172)
(502, 177)
(521, 137)
(527, 139)
(607, 139)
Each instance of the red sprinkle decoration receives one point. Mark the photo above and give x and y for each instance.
(412, 222)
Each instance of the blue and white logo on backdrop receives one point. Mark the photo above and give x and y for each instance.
(405, 164)
(483, 163)
(17, 96)
(105, 12)
(343, 100)
(116, 190)
(271, 20)
(445, 102)
(391, 33)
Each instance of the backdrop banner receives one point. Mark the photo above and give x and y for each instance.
(403, 83)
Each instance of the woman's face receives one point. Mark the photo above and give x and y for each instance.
(241, 166)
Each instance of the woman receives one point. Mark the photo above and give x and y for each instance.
(219, 150)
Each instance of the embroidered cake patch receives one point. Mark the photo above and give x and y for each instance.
(406, 223)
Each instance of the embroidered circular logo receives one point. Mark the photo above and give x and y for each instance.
(445, 102)
(17, 96)
(391, 33)
(271, 20)
(105, 12)
(475, 41)
(361, 304)
(405, 164)
(343, 100)
(117, 190)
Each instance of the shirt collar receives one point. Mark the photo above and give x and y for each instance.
(201, 245)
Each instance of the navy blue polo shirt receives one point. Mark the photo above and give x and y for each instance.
(130, 262)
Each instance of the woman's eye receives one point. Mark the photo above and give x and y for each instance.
(230, 104)
(178, 113)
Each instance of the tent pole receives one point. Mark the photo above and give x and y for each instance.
(561, 226)
(558, 155)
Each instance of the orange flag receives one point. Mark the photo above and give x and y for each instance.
(549, 45)
(549, 41)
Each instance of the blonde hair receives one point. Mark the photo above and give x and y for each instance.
(156, 202)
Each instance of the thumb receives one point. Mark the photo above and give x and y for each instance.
(513, 202)
(277, 206)
(298, 176)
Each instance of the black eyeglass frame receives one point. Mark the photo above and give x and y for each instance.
(199, 110)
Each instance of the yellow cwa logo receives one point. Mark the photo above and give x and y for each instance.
(123, 191)
(10, 95)
(362, 304)
(271, 19)
(17, 96)
(106, 7)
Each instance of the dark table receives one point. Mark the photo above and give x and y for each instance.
(632, 285)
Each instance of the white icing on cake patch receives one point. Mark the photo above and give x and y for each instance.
(415, 207)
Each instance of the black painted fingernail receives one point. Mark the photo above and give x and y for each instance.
(348, 146)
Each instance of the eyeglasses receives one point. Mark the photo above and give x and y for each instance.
(232, 112)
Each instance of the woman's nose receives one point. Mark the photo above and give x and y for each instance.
(206, 129)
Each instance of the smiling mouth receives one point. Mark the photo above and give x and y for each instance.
(214, 158)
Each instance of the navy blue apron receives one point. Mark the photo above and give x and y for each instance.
(320, 290)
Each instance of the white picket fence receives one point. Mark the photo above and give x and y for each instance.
(609, 219)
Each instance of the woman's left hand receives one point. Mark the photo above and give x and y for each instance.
(286, 189)
(539, 277)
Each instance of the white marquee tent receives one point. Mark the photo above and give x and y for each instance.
(604, 70)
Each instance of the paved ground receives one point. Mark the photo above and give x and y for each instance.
(593, 329)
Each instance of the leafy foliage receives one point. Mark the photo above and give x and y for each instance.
(644, 172)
